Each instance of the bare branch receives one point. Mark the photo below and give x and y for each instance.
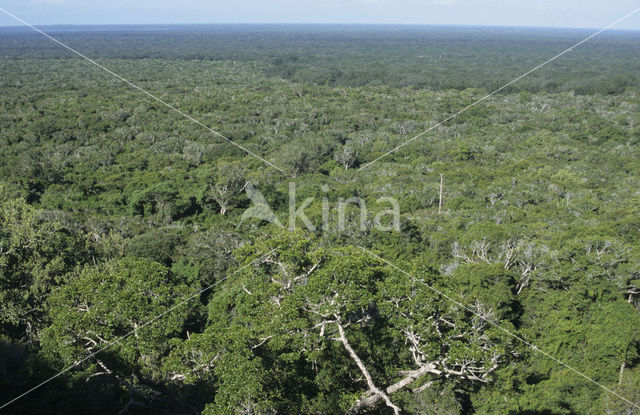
(372, 386)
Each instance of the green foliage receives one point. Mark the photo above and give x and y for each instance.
(36, 253)
(114, 208)
(158, 245)
(100, 304)
(271, 345)
(108, 307)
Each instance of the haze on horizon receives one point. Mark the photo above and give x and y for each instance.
(543, 13)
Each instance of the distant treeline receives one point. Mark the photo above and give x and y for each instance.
(431, 57)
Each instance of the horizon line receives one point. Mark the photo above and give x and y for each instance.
(487, 26)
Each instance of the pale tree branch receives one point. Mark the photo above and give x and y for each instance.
(372, 386)
(371, 398)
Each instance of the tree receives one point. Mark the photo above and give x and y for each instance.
(347, 156)
(211, 252)
(99, 305)
(228, 183)
(35, 254)
(158, 245)
(316, 329)
(629, 387)
(158, 199)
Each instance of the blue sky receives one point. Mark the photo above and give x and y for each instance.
(551, 13)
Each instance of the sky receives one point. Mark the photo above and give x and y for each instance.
(547, 13)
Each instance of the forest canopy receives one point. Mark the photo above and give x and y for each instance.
(114, 209)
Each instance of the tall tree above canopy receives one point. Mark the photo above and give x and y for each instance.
(317, 329)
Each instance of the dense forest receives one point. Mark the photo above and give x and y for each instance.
(126, 262)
